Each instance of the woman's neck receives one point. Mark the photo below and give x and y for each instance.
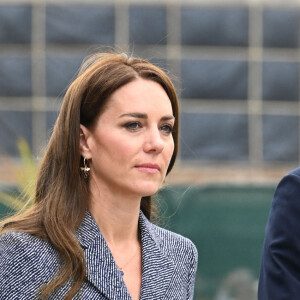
(117, 217)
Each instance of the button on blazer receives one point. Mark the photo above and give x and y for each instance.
(280, 264)
(168, 268)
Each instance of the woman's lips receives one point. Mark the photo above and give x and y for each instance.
(149, 168)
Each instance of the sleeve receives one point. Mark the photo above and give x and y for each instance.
(192, 274)
(20, 275)
(280, 264)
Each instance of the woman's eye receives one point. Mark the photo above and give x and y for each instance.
(167, 128)
(133, 125)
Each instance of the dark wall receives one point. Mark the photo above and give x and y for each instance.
(236, 69)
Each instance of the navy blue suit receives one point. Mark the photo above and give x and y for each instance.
(280, 264)
(169, 265)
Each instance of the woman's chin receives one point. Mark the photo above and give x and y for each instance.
(149, 190)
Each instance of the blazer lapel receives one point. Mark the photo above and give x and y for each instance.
(158, 267)
(101, 269)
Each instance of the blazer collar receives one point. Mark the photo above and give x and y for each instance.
(101, 269)
(158, 267)
(103, 273)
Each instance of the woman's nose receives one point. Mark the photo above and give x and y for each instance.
(154, 141)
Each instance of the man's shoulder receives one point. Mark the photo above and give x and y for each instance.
(295, 172)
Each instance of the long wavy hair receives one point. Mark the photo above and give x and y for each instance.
(59, 202)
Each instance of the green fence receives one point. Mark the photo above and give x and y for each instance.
(227, 225)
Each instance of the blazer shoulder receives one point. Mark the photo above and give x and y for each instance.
(16, 241)
(26, 263)
(184, 255)
(21, 244)
(176, 243)
(10, 237)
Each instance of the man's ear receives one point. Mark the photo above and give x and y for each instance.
(84, 142)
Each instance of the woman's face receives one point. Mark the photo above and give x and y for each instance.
(131, 146)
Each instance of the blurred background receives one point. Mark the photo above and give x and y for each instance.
(236, 68)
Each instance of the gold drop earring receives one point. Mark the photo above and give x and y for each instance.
(85, 169)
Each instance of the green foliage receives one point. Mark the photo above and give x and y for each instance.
(25, 179)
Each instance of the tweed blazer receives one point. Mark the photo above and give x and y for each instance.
(169, 263)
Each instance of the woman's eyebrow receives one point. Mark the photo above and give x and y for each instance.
(145, 116)
(135, 115)
(167, 118)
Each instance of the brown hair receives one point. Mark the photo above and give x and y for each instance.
(59, 207)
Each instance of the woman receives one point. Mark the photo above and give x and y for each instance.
(280, 264)
(88, 234)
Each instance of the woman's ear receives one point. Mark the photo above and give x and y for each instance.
(83, 142)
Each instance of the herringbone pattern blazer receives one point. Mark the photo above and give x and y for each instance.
(168, 272)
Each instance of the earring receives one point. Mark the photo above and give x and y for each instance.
(85, 169)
